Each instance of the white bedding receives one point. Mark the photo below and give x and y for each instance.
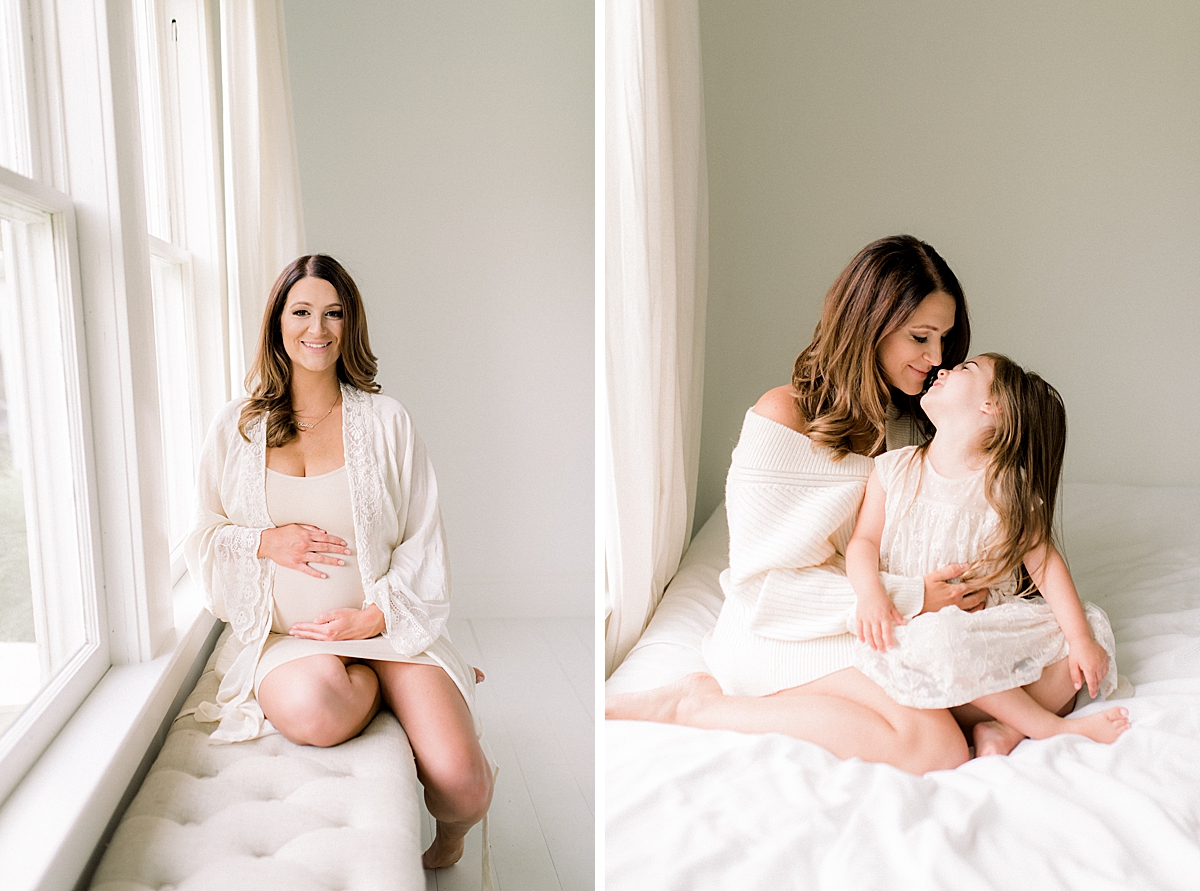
(701, 809)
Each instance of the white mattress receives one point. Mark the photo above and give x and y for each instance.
(701, 809)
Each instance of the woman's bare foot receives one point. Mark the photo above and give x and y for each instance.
(1103, 726)
(446, 850)
(664, 705)
(994, 738)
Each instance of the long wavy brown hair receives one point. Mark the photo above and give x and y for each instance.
(1024, 453)
(841, 389)
(269, 381)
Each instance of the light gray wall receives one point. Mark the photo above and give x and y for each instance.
(446, 158)
(1049, 151)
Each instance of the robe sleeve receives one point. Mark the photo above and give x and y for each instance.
(221, 555)
(414, 593)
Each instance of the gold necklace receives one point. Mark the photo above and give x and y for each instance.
(304, 428)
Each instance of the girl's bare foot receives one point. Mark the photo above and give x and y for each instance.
(446, 850)
(994, 738)
(1103, 726)
(665, 705)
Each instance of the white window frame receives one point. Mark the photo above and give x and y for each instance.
(85, 142)
(59, 475)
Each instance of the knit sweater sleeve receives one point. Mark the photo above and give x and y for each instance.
(791, 511)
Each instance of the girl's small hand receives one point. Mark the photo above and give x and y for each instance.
(874, 620)
(1088, 662)
(297, 545)
(342, 624)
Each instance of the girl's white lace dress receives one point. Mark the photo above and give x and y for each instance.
(951, 657)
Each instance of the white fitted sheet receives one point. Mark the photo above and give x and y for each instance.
(701, 809)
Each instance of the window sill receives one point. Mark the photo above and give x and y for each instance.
(53, 821)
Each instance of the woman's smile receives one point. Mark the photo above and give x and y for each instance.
(311, 325)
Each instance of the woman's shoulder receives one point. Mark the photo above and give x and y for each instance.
(390, 412)
(230, 413)
(779, 405)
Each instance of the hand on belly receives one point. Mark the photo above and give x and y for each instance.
(342, 624)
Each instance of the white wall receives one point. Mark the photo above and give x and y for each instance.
(1049, 151)
(446, 159)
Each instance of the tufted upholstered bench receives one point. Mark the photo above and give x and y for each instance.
(268, 814)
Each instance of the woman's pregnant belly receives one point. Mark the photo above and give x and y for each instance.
(322, 501)
(301, 598)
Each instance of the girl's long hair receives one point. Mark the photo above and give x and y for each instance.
(842, 392)
(1024, 465)
(269, 380)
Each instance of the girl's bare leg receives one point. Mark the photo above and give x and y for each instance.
(1019, 710)
(1053, 691)
(844, 712)
(450, 763)
(319, 700)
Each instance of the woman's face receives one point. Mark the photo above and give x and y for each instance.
(909, 353)
(311, 325)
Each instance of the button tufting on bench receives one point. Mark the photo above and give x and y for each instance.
(269, 814)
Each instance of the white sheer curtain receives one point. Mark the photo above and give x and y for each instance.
(264, 223)
(656, 283)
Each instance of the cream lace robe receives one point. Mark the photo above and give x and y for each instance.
(398, 534)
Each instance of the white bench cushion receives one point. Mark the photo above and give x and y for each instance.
(267, 814)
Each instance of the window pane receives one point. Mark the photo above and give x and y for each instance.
(155, 165)
(177, 401)
(14, 110)
(43, 591)
(20, 674)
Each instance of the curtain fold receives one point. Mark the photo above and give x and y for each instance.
(656, 284)
(264, 223)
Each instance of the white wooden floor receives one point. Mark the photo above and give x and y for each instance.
(538, 712)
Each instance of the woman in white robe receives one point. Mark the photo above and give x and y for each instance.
(316, 647)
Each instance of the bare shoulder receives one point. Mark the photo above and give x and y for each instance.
(779, 405)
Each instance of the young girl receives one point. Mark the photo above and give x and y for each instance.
(980, 493)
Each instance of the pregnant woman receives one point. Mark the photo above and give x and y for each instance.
(781, 652)
(319, 539)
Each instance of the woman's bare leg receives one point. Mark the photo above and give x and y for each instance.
(1019, 710)
(450, 763)
(319, 700)
(844, 712)
(1054, 691)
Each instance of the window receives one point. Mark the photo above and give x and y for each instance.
(51, 650)
(134, 247)
(180, 193)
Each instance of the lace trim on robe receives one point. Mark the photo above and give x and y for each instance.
(248, 591)
(407, 624)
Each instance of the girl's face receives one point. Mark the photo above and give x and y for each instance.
(963, 388)
(311, 325)
(909, 353)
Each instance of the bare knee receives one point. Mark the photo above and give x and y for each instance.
(459, 789)
(931, 740)
(329, 704)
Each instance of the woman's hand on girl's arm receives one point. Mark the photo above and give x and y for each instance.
(343, 624)
(297, 545)
(941, 592)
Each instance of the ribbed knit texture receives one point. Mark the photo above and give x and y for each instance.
(788, 603)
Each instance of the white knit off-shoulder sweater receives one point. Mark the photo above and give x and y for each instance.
(788, 604)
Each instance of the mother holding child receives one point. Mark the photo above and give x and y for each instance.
(942, 603)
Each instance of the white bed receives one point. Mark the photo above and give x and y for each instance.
(701, 809)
